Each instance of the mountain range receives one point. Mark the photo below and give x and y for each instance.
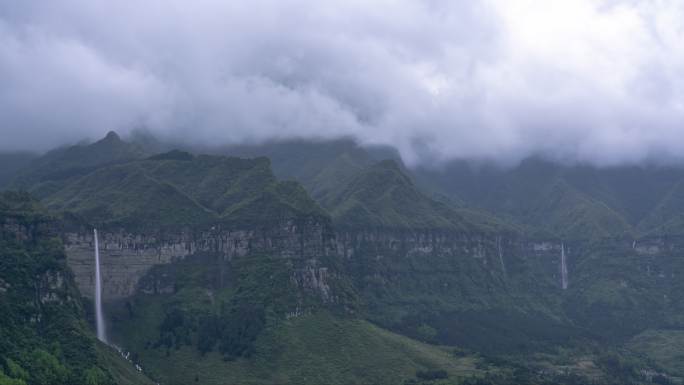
(330, 262)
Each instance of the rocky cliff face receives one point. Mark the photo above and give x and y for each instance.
(127, 257)
(464, 271)
(51, 285)
(501, 255)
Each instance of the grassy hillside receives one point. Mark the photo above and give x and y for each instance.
(53, 170)
(569, 213)
(546, 198)
(122, 371)
(127, 195)
(180, 189)
(11, 164)
(664, 347)
(572, 201)
(668, 215)
(309, 349)
(382, 196)
(321, 166)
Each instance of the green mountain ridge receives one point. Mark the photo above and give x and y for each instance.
(51, 171)
(601, 202)
(399, 266)
(541, 198)
(13, 163)
(178, 189)
(382, 196)
(576, 202)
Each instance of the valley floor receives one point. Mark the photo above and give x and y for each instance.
(311, 349)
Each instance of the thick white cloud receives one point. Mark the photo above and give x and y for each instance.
(578, 80)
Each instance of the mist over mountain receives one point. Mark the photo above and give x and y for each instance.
(577, 81)
(428, 192)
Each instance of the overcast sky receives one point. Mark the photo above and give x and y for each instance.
(577, 80)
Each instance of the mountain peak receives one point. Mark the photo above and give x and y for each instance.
(69, 162)
(112, 136)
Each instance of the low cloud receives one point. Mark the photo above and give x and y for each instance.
(599, 81)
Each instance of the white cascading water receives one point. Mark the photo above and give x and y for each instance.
(501, 261)
(564, 269)
(99, 317)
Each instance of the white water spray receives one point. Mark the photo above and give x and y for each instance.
(564, 269)
(501, 261)
(99, 317)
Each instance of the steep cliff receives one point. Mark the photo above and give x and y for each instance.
(126, 256)
(43, 334)
(173, 206)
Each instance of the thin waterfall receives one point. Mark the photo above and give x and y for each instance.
(99, 317)
(501, 261)
(564, 269)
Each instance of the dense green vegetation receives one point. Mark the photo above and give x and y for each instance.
(615, 292)
(11, 164)
(381, 196)
(178, 189)
(246, 321)
(572, 201)
(44, 338)
(240, 298)
(53, 170)
(448, 277)
(323, 167)
(664, 347)
(567, 201)
(364, 187)
(312, 348)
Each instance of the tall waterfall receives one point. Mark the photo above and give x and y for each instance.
(99, 317)
(564, 269)
(501, 261)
